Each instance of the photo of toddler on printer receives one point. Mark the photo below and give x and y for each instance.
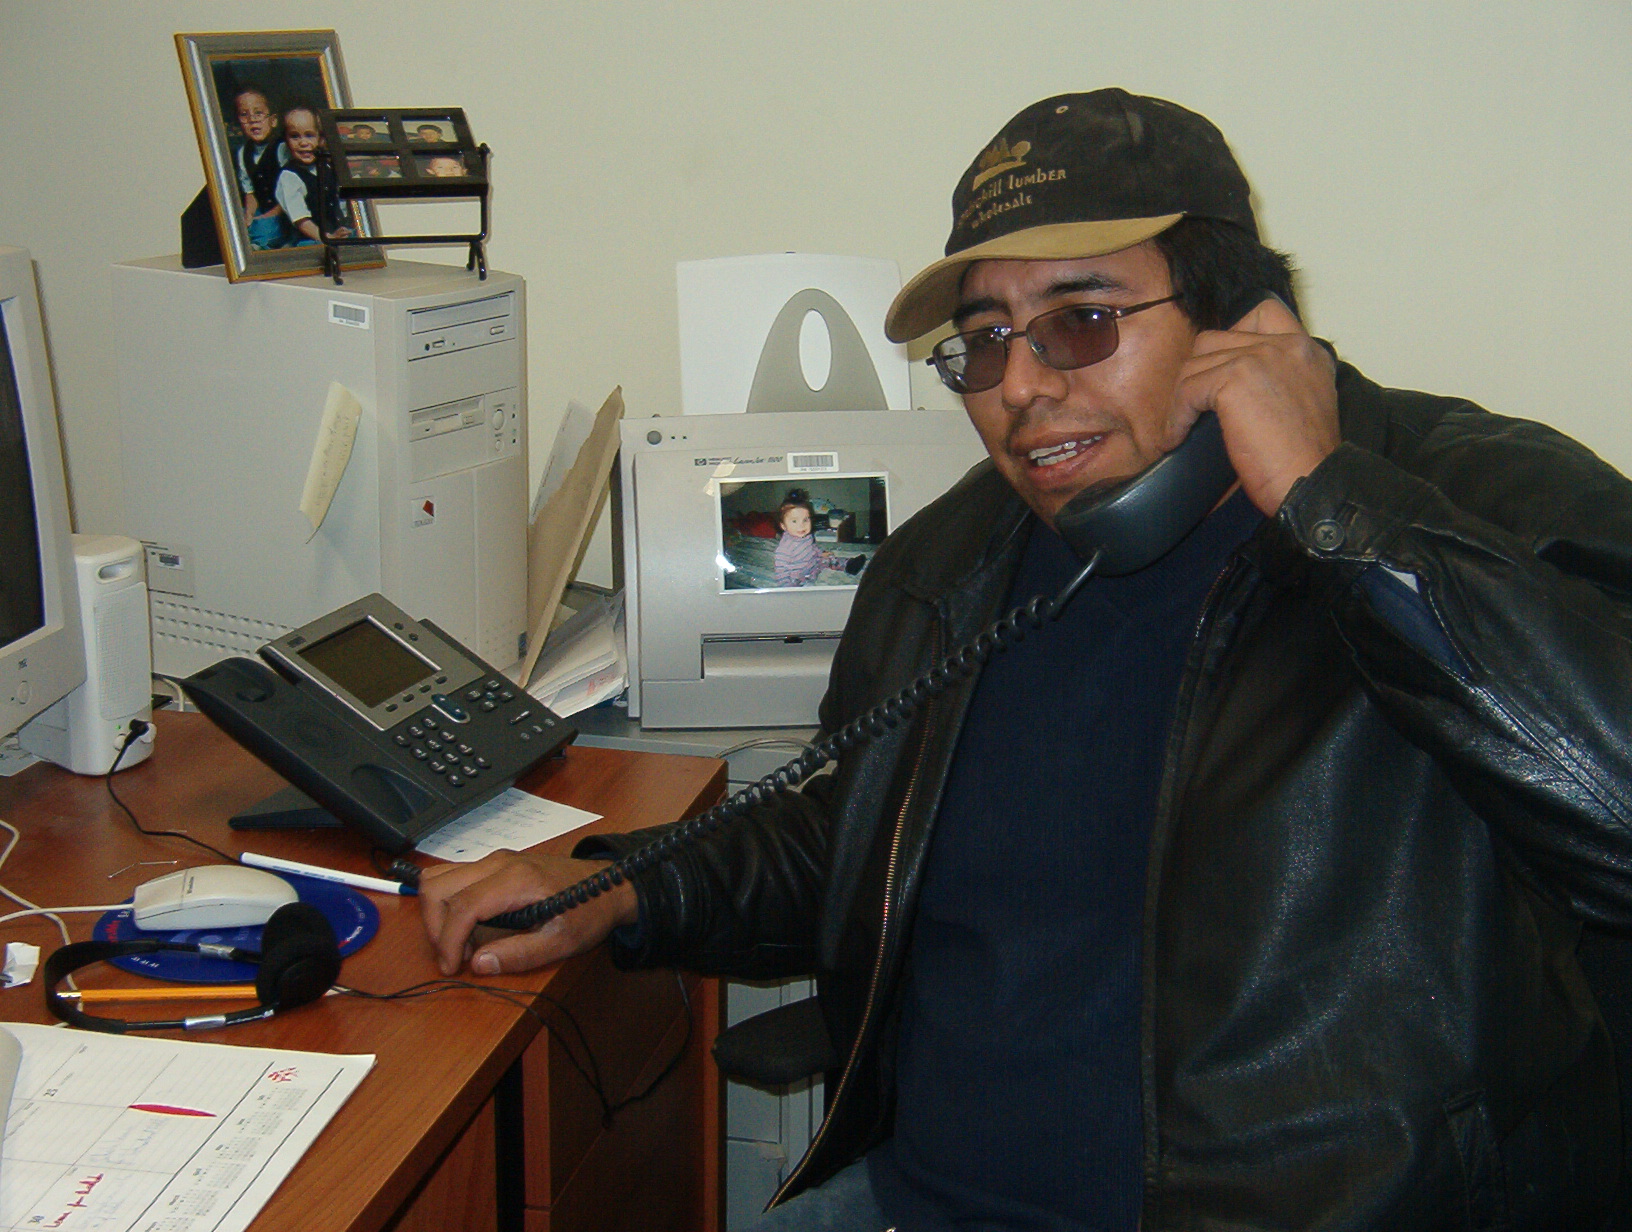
(798, 560)
(820, 533)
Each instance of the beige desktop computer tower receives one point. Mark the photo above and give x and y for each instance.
(222, 391)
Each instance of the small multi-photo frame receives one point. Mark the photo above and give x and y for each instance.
(404, 153)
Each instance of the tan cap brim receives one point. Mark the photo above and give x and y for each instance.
(931, 298)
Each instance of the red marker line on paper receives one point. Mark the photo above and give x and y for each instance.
(170, 1110)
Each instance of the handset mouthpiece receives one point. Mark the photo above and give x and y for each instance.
(1134, 522)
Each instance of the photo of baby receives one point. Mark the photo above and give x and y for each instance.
(777, 534)
(798, 560)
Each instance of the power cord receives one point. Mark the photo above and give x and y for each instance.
(137, 727)
(50, 913)
(588, 1068)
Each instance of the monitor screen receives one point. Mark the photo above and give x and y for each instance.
(367, 662)
(42, 645)
(782, 534)
(22, 583)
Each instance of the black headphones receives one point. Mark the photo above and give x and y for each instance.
(299, 960)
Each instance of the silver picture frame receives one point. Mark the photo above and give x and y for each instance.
(290, 69)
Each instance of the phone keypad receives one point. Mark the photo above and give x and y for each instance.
(452, 745)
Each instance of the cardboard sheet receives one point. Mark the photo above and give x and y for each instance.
(557, 537)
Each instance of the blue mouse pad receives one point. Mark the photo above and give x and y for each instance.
(354, 917)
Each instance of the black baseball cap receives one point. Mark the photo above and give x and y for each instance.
(1077, 175)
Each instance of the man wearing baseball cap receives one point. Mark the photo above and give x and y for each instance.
(1246, 892)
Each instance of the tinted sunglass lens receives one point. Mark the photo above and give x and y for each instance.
(985, 357)
(1074, 337)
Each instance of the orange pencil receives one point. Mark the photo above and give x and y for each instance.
(179, 992)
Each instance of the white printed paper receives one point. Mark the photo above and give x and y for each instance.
(585, 662)
(115, 1132)
(330, 453)
(513, 820)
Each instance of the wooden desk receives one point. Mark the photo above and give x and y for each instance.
(415, 1146)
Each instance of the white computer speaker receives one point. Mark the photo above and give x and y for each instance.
(85, 730)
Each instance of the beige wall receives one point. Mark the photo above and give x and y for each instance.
(1453, 178)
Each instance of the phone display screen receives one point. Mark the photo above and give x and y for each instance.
(367, 662)
(799, 531)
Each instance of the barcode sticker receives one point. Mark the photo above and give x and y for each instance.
(354, 315)
(809, 463)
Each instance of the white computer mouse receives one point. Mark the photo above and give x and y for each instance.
(212, 896)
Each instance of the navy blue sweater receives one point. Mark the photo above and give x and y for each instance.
(1019, 1093)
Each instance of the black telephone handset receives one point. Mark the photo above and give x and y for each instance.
(1117, 527)
(1132, 523)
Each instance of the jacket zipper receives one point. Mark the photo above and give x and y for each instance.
(883, 939)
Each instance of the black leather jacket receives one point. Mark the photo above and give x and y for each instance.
(1374, 846)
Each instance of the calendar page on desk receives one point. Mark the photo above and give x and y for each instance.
(117, 1132)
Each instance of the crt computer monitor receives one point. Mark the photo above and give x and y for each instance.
(42, 657)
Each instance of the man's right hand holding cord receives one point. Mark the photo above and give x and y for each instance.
(455, 898)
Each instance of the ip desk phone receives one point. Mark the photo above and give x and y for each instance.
(385, 721)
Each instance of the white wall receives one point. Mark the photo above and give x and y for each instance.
(1453, 178)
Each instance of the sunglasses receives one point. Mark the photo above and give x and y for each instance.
(1066, 338)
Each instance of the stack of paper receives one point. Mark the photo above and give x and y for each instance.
(585, 662)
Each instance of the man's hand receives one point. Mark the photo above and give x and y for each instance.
(1275, 392)
(454, 898)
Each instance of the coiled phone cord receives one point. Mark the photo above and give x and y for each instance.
(879, 721)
